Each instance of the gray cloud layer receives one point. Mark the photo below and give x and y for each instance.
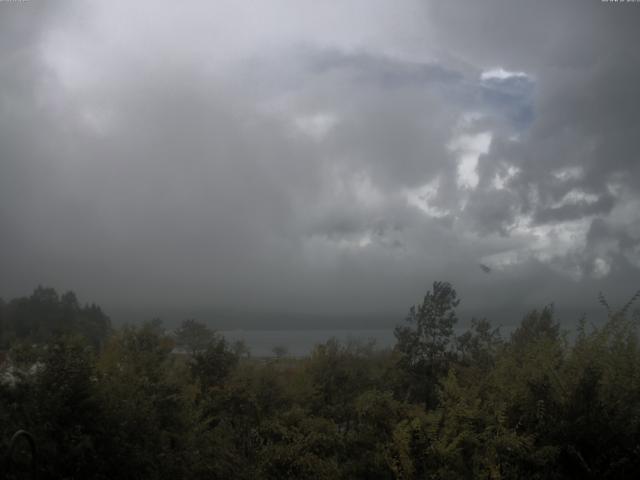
(334, 157)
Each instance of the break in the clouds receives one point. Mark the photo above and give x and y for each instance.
(334, 157)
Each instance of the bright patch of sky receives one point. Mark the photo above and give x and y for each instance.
(576, 197)
(568, 173)
(422, 198)
(545, 243)
(501, 74)
(601, 268)
(502, 178)
(469, 148)
(316, 126)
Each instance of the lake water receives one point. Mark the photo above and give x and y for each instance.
(301, 342)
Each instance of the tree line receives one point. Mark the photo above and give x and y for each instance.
(105, 403)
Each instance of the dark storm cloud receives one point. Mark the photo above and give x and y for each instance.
(580, 209)
(384, 71)
(335, 159)
(491, 211)
(584, 63)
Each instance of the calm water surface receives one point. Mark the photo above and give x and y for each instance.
(301, 342)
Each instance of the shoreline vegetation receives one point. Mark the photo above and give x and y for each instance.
(144, 402)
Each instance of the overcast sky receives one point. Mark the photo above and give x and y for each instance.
(333, 157)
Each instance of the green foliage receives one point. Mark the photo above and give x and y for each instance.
(478, 346)
(147, 414)
(439, 406)
(425, 345)
(65, 378)
(211, 365)
(280, 351)
(193, 336)
(298, 445)
(536, 327)
(45, 314)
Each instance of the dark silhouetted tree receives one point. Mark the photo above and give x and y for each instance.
(425, 344)
(193, 336)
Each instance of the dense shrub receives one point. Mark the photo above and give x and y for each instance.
(436, 406)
